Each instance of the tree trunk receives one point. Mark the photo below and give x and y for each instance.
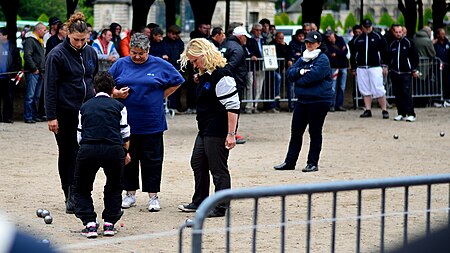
(71, 6)
(312, 11)
(171, 9)
(140, 12)
(439, 9)
(10, 9)
(203, 11)
(409, 11)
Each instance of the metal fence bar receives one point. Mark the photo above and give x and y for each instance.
(383, 212)
(309, 189)
(308, 224)
(405, 217)
(255, 223)
(283, 222)
(228, 226)
(333, 228)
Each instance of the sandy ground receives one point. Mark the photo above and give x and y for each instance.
(353, 148)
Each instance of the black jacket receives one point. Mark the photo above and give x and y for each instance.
(339, 60)
(52, 42)
(403, 56)
(14, 62)
(174, 50)
(297, 49)
(234, 52)
(69, 77)
(372, 55)
(252, 49)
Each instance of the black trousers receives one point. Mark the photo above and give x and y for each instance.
(89, 160)
(312, 115)
(148, 151)
(401, 84)
(6, 97)
(209, 155)
(66, 139)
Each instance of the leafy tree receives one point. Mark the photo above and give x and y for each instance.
(43, 18)
(32, 9)
(87, 8)
(427, 15)
(409, 10)
(312, 11)
(277, 20)
(440, 9)
(328, 22)
(386, 20)
(350, 20)
(299, 20)
(401, 19)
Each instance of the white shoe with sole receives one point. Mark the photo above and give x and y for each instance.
(410, 118)
(129, 201)
(399, 118)
(153, 204)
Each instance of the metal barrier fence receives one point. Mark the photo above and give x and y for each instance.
(427, 85)
(270, 86)
(405, 189)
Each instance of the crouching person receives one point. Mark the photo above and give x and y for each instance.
(103, 135)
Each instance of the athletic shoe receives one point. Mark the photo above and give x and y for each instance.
(153, 204)
(366, 114)
(129, 201)
(385, 114)
(216, 212)
(411, 118)
(446, 104)
(188, 208)
(108, 229)
(399, 118)
(90, 230)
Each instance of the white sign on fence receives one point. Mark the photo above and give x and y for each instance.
(270, 57)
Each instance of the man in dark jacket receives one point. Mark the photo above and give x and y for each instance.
(297, 44)
(337, 54)
(33, 54)
(368, 58)
(10, 63)
(402, 67)
(232, 49)
(442, 48)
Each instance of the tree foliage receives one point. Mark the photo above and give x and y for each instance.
(299, 20)
(328, 22)
(282, 19)
(350, 20)
(43, 18)
(401, 19)
(386, 20)
(33, 9)
(427, 16)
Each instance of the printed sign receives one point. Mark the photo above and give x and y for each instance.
(270, 57)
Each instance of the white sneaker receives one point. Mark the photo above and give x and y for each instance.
(410, 118)
(153, 204)
(129, 201)
(438, 105)
(399, 118)
(446, 104)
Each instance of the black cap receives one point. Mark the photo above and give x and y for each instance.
(367, 23)
(313, 36)
(174, 29)
(53, 21)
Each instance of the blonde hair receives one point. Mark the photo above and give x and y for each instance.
(202, 47)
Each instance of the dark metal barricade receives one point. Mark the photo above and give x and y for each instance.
(379, 186)
(427, 85)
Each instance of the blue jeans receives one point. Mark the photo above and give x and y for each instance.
(338, 92)
(32, 94)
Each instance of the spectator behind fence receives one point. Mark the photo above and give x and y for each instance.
(217, 115)
(10, 65)
(71, 67)
(157, 47)
(116, 29)
(297, 45)
(217, 36)
(442, 48)
(337, 54)
(368, 57)
(103, 135)
(34, 57)
(53, 23)
(424, 44)
(125, 37)
(106, 50)
(265, 30)
(312, 77)
(357, 30)
(57, 38)
(255, 77)
(144, 82)
(403, 63)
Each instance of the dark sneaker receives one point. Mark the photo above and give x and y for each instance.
(284, 166)
(90, 231)
(341, 109)
(217, 212)
(310, 168)
(366, 114)
(108, 229)
(188, 208)
(385, 114)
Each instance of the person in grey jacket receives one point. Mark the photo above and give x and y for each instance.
(34, 57)
(313, 89)
(423, 43)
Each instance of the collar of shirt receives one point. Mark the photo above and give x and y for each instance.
(102, 94)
